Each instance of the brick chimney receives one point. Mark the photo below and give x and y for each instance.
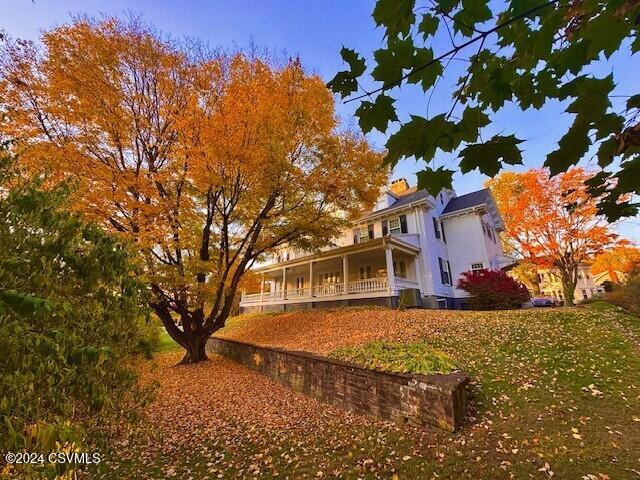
(399, 186)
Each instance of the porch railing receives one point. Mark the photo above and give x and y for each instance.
(368, 285)
(376, 284)
(405, 283)
(299, 292)
(328, 289)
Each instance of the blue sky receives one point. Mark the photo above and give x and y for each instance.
(316, 30)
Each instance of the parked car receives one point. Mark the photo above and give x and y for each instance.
(543, 302)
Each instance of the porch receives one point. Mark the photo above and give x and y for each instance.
(380, 268)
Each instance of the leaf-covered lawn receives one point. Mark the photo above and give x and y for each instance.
(557, 394)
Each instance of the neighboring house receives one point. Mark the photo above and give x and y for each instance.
(409, 241)
(610, 276)
(586, 286)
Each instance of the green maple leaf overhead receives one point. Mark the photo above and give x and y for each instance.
(471, 13)
(345, 82)
(571, 148)
(633, 102)
(523, 53)
(473, 119)
(488, 157)
(356, 63)
(591, 96)
(435, 180)
(395, 15)
(429, 25)
(376, 114)
(391, 62)
(426, 77)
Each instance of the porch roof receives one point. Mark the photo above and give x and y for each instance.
(376, 243)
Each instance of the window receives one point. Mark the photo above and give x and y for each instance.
(395, 225)
(580, 276)
(362, 234)
(445, 272)
(365, 272)
(584, 294)
(399, 269)
(477, 266)
(489, 231)
(444, 237)
(403, 224)
(436, 227)
(329, 278)
(299, 283)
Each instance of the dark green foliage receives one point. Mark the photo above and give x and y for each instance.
(71, 317)
(627, 295)
(346, 82)
(397, 357)
(522, 52)
(377, 114)
(488, 157)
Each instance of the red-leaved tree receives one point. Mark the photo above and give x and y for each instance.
(493, 290)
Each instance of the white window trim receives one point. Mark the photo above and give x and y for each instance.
(393, 229)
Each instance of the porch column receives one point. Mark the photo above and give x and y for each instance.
(311, 278)
(345, 274)
(417, 264)
(261, 287)
(390, 273)
(284, 283)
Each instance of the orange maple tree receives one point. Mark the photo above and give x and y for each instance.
(206, 161)
(551, 221)
(623, 258)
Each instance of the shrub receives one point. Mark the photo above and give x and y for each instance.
(493, 290)
(397, 357)
(626, 296)
(71, 317)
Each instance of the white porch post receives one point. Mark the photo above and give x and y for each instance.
(261, 287)
(345, 274)
(284, 283)
(390, 273)
(417, 264)
(311, 278)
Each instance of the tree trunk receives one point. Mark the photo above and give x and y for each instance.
(191, 337)
(196, 349)
(568, 290)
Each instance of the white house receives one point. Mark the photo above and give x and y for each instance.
(587, 284)
(410, 242)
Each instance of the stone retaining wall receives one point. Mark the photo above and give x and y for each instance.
(438, 400)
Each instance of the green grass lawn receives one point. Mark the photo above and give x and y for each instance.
(556, 394)
(166, 343)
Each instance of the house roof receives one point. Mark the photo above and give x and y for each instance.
(406, 198)
(337, 252)
(468, 200)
